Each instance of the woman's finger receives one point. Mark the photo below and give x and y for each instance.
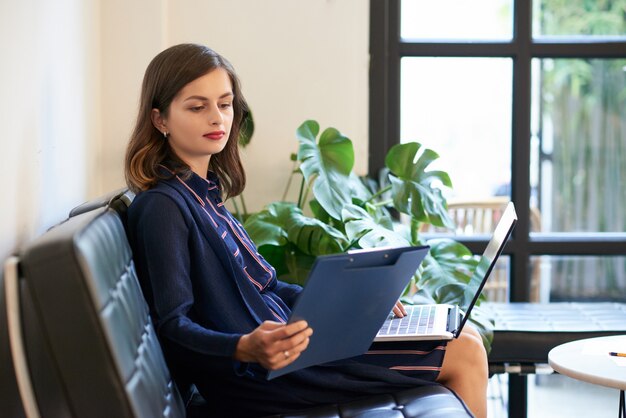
(283, 360)
(288, 350)
(271, 325)
(399, 311)
(400, 305)
(291, 343)
(302, 345)
(289, 330)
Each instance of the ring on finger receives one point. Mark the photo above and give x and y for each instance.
(286, 353)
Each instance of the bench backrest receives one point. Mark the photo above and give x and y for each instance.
(90, 345)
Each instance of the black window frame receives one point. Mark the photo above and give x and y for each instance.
(386, 51)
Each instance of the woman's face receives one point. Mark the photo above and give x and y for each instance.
(199, 119)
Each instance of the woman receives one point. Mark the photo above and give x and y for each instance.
(218, 309)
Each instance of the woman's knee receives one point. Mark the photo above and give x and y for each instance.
(469, 330)
(465, 355)
(473, 347)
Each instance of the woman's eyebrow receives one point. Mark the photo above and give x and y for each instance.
(202, 98)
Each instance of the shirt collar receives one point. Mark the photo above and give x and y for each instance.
(201, 187)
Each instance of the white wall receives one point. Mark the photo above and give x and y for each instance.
(131, 35)
(48, 112)
(297, 60)
(71, 73)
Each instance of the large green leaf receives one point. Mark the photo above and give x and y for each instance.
(281, 223)
(319, 212)
(277, 257)
(269, 227)
(327, 164)
(421, 297)
(298, 265)
(448, 263)
(291, 264)
(313, 236)
(483, 321)
(358, 189)
(475, 281)
(413, 188)
(370, 232)
(246, 130)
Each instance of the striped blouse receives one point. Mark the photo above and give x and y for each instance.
(257, 270)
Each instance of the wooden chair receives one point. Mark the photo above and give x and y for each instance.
(480, 216)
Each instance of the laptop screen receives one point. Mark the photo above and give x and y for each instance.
(488, 260)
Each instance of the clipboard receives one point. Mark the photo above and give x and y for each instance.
(346, 299)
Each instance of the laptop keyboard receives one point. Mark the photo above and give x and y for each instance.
(420, 319)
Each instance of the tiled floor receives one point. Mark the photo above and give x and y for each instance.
(554, 396)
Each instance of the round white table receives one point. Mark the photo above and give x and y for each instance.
(589, 360)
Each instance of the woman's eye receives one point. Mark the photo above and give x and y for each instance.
(225, 105)
(196, 108)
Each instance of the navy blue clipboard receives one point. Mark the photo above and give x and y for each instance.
(346, 299)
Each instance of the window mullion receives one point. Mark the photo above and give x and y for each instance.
(378, 85)
(394, 80)
(520, 149)
(450, 49)
(543, 48)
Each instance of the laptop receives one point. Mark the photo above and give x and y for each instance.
(346, 299)
(442, 321)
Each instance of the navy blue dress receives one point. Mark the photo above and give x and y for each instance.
(207, 285)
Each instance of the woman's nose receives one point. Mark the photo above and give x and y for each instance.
(215, 116)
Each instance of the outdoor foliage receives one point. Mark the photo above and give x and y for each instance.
(582, 134)
(337, 211)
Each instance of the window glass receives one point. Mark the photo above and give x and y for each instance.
(457, 19)
(461, 108)
(497, 287)
(579, 18)
(578, 162)
(579, 278)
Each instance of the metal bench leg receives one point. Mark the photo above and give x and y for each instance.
(518, 396)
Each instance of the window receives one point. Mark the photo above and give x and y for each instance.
(524, 100)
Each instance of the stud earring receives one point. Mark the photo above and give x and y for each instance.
(165, 134)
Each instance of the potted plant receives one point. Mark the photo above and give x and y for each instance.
(337, 211)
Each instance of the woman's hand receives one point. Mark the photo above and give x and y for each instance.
(274, 345)
(399, 310)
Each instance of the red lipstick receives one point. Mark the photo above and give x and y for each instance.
(215, 135)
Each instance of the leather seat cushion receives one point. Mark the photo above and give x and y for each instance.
(422, 402)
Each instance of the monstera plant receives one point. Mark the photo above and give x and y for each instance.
(337, 211)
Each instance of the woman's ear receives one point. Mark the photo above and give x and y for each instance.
(158, 121)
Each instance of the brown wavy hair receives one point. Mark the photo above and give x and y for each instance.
(165, 76)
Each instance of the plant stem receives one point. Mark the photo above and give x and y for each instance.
(382, 203)
(306, 195)
(378, 193)
(415, 226)
(243, 205)
(300, 193)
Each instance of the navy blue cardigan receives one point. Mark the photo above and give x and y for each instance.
(202, 302)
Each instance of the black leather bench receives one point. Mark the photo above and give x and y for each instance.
(525, 333)
(84, 344)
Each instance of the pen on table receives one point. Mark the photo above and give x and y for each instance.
(613, 353)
